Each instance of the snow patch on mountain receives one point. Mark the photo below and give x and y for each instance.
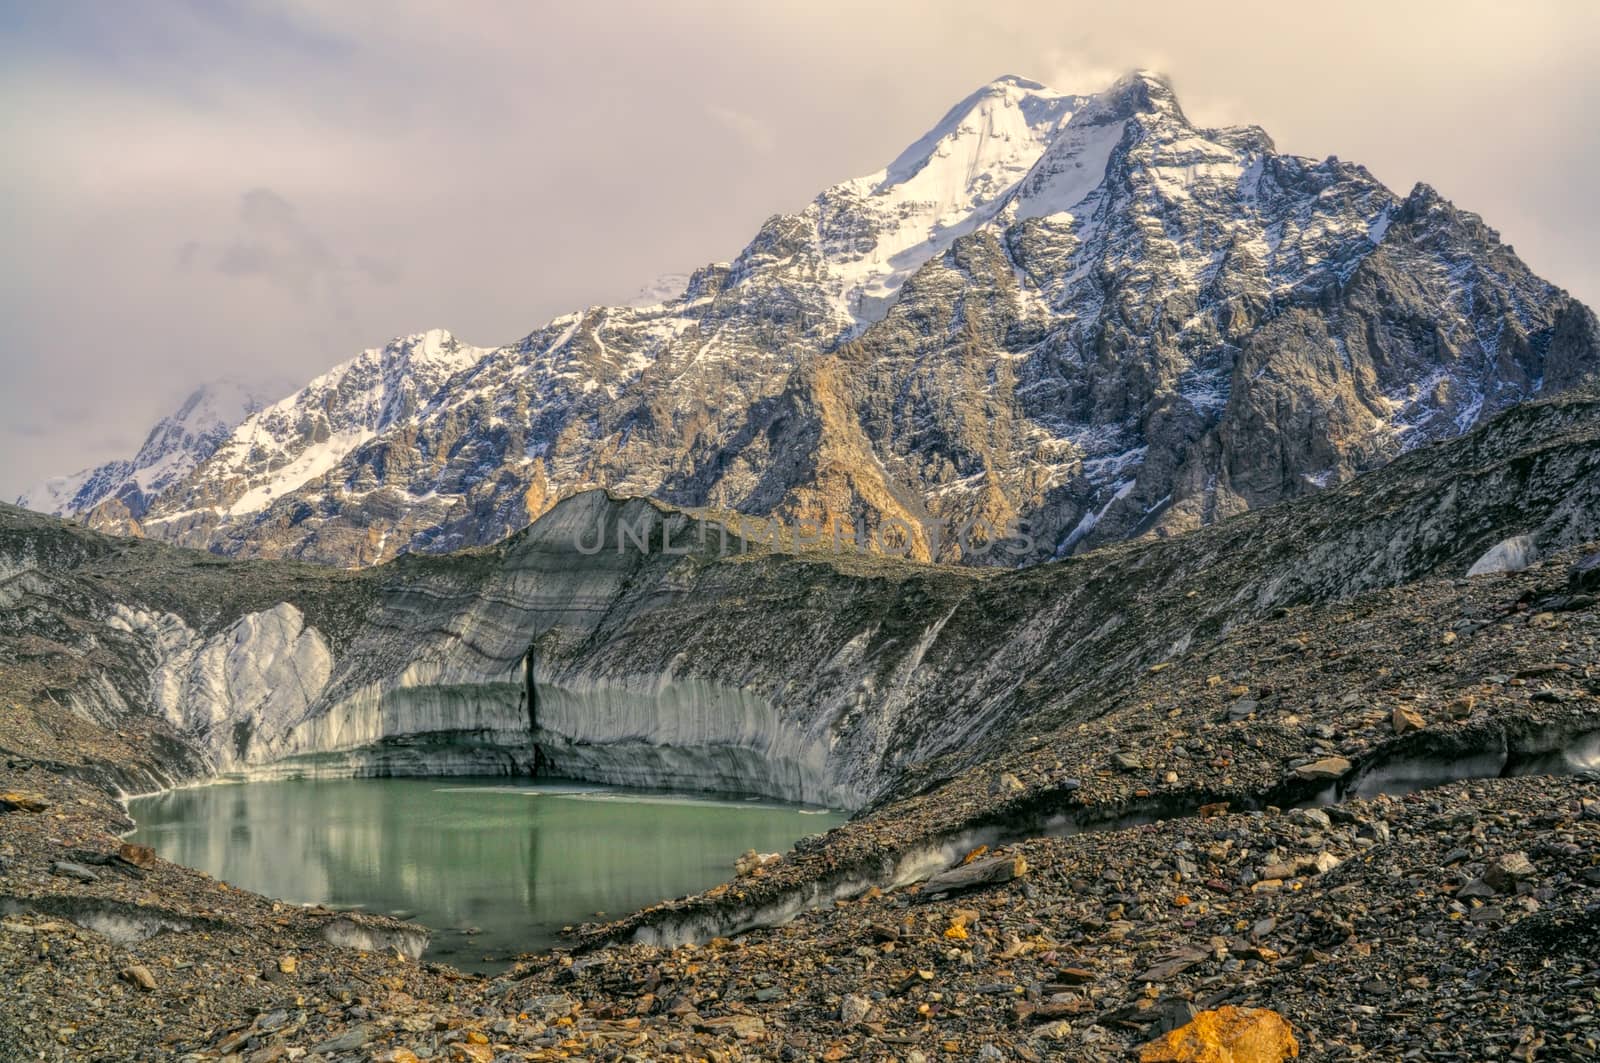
(299, 439)
(879, 229)
(173, 447)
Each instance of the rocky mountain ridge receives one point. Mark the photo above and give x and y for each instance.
(1273, 763)
(119, 492)
(1078, 314)
(612, 640)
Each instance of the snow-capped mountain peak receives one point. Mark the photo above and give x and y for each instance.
(1007, 120)
(1082, 313)
(877, 230)
(301, 437)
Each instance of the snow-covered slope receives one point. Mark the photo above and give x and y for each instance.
(1079, 314)
(294, 443)
(174, 446)
(876, 231)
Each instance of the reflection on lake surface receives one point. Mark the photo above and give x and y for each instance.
(514, 863)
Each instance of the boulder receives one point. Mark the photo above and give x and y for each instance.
(854, 1009)
(1585, 575)
(17, 801)
(1504, 872)
(1407, 720)
(1227, 1035)
(139, 975)
(141, 856)
(1326, 769)
(1511, 555)
(988, 872)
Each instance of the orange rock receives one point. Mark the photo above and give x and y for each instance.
(1407, 720)
(396, 1055)
(1227, 1035)
(16, 801)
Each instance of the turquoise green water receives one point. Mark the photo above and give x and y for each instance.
(493, 869)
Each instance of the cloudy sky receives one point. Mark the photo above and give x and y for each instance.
(225, 188)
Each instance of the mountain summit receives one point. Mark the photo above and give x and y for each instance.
(1079, 314)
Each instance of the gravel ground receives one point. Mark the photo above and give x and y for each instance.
(1454, 922)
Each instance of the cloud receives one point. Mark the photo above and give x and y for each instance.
(272, 244)
(755, 134)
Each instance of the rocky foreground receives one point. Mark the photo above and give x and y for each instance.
(1101, 889)
(1453, 924)
(1293, 778)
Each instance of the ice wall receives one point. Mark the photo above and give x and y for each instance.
(681, 733)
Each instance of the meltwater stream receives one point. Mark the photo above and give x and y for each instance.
(492, 868)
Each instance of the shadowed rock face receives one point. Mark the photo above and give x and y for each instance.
(834, 678)
(1080, 314)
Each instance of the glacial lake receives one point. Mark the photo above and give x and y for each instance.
(491, 867)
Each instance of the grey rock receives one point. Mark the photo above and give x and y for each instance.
(1315, 818)
(1504, 872)
(854, 1009)
(1242, 709)
(1170, 1014)
(1585, 575)
(67, 869)
(350, 1040)
(549, 1006)
(1509, 555)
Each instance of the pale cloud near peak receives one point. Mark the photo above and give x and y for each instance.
(272, 244)
(756, 135)
(484, 168)
(1072, 72)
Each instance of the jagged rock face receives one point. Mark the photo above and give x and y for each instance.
(1081, 315)
(823, 676)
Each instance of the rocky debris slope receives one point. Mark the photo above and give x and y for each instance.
(1297, 764)
(109, 953)
(1452, 922)
(832, 677)
(1081, 314)
(1485, 678)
